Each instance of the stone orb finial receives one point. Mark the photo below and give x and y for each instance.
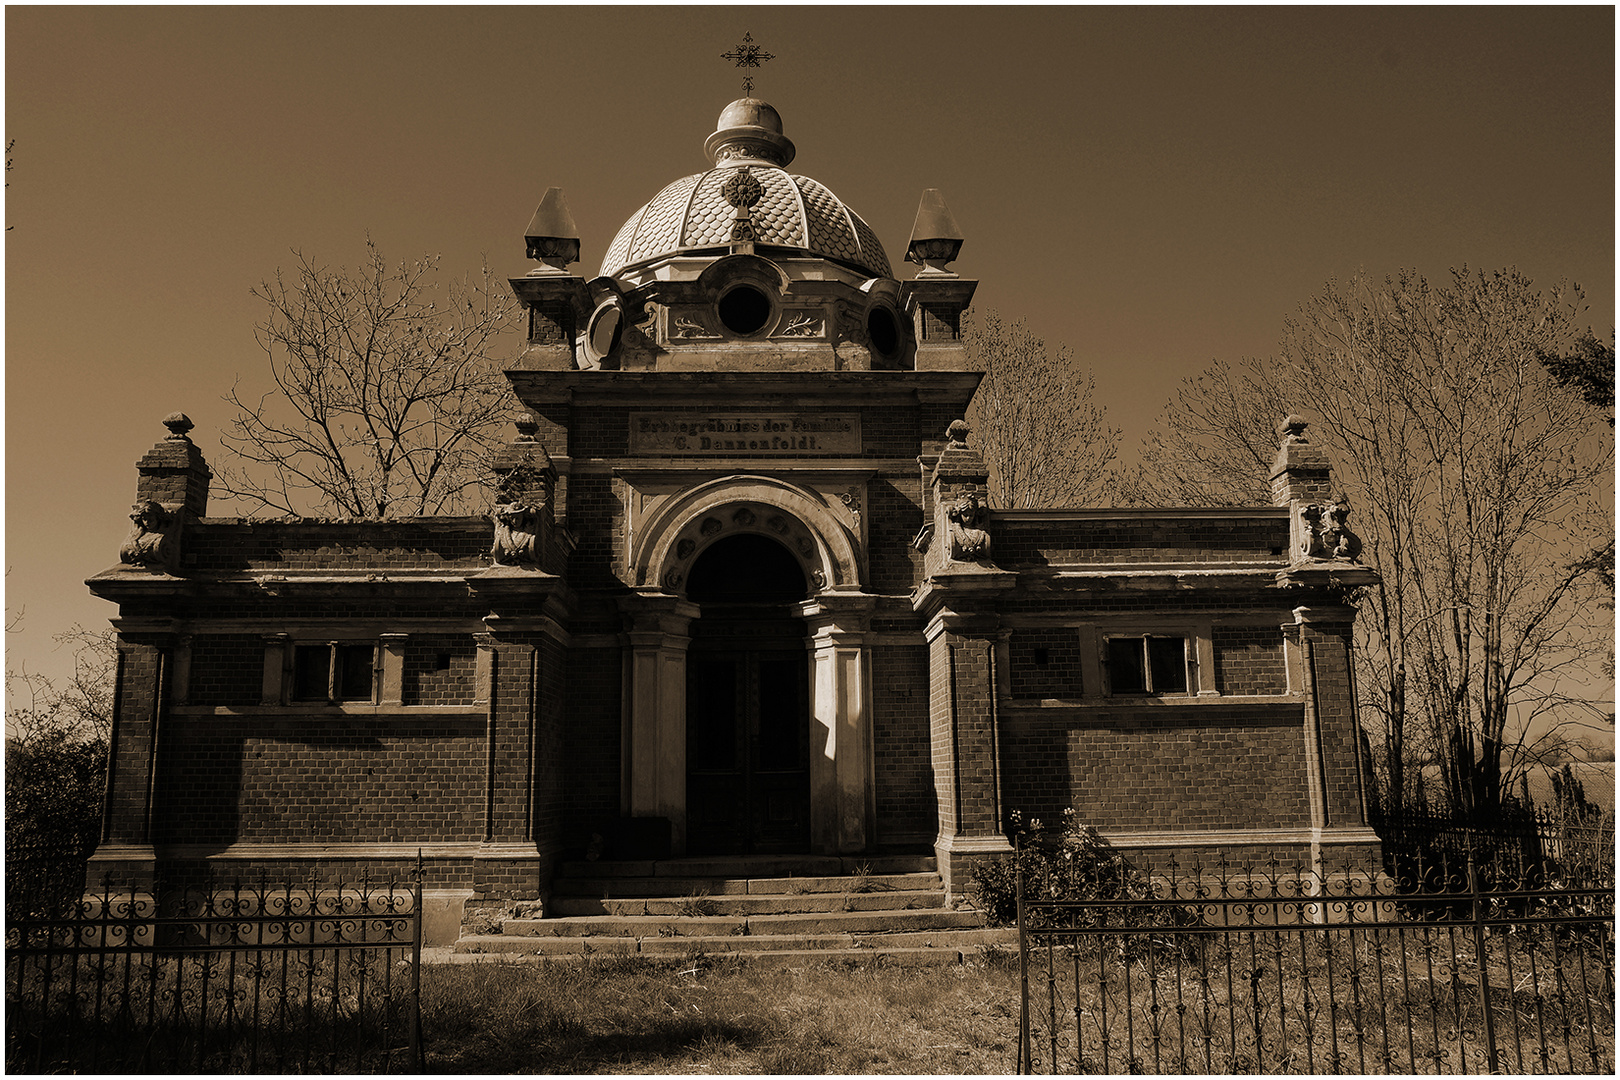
(957, 433)
(1292, 429)
(526, 426)
(178, 424)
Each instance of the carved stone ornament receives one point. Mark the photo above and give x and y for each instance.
(957, 433)
(819, 578)
(802, 324)
(150, 543)
(777, 523)
(689, 323)
(1325, 531)
(742, 189)
(969, 540)
(673, 578)
(710, 526)
(744, 517)
(517, 534)
(684, 549)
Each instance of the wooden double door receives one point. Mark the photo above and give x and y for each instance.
(747, 749)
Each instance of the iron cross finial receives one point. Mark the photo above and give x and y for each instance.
(747, 55)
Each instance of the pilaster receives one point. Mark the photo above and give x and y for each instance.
(654, 764)
(843, 800)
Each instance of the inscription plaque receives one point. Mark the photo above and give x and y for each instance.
(778, 434)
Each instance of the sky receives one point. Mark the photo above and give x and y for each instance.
(1156, 188)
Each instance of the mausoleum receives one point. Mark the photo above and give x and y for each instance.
(741, 593)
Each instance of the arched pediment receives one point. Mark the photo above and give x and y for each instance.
(685, 526)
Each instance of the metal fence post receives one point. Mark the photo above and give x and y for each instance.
(1026, 1063)
(416, 964)
(1481, 960)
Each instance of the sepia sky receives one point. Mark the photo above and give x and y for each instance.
(1154, 187)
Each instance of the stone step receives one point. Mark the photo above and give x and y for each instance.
(617, 888)
(749, 945)
(829, 922)
(876, 957)
(754, 866)
(704, 906)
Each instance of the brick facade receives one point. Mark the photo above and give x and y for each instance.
(337, 695)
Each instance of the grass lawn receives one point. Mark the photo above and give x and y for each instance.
(618, 1016)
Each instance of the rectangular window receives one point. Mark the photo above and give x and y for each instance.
(333, 672)
(1148, 665)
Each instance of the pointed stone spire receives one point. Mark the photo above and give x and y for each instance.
(935, 239)
(552, 237)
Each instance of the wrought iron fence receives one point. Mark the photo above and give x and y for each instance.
(254, 978)
(1463, 966)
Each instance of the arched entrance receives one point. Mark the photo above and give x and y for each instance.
(730, 536)
(747, 701)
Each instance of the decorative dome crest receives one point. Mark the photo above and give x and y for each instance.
(784, 210)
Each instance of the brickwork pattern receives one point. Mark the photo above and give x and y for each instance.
(1336, 716)
(1249, 660)
(590, 744)
(1142, 769)
(440, 669)
(226, 669)
(974, 736)
(1045, 663)
(1167, 539)
(337, 609)
(132, 760)
(942, 753)
(353, 779)
(551, 323)
(901, 758)
(893, 515)
(509, 760)
(447, 544)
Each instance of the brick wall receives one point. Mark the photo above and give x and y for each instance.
(326, 780)
(440, 669)
(1170, 538)
(226, 669)
(590, 743)
(1249, 660)
(1045, 663)
(218, 544)
(1142, 769)
(941, 752)
(903, 772)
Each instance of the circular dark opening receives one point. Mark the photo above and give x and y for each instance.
(744, 310)
(604, 331)
(746, 569)
(885, 334)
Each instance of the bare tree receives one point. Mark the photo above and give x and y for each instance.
(1480, 488)
(1044, 438)
(388, 393)
(57, 734)
(1213, 445)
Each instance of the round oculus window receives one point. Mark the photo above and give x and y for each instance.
(744, 310)
(604, 333)
(883, 330)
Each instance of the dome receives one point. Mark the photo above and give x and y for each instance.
(792, 211)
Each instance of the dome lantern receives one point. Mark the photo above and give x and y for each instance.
(748, 131)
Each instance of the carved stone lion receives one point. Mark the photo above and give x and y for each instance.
(149, 542)
(969, 541)
(517, 534)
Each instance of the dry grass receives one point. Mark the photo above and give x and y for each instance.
(608, 1016)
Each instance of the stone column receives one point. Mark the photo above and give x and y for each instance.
(965, 736)
(125, 855)
(843, 801)
(1333, 754)
(654, 778)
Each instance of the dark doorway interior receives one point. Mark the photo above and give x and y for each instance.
(747, 702)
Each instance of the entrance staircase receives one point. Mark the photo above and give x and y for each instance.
(766, 909)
